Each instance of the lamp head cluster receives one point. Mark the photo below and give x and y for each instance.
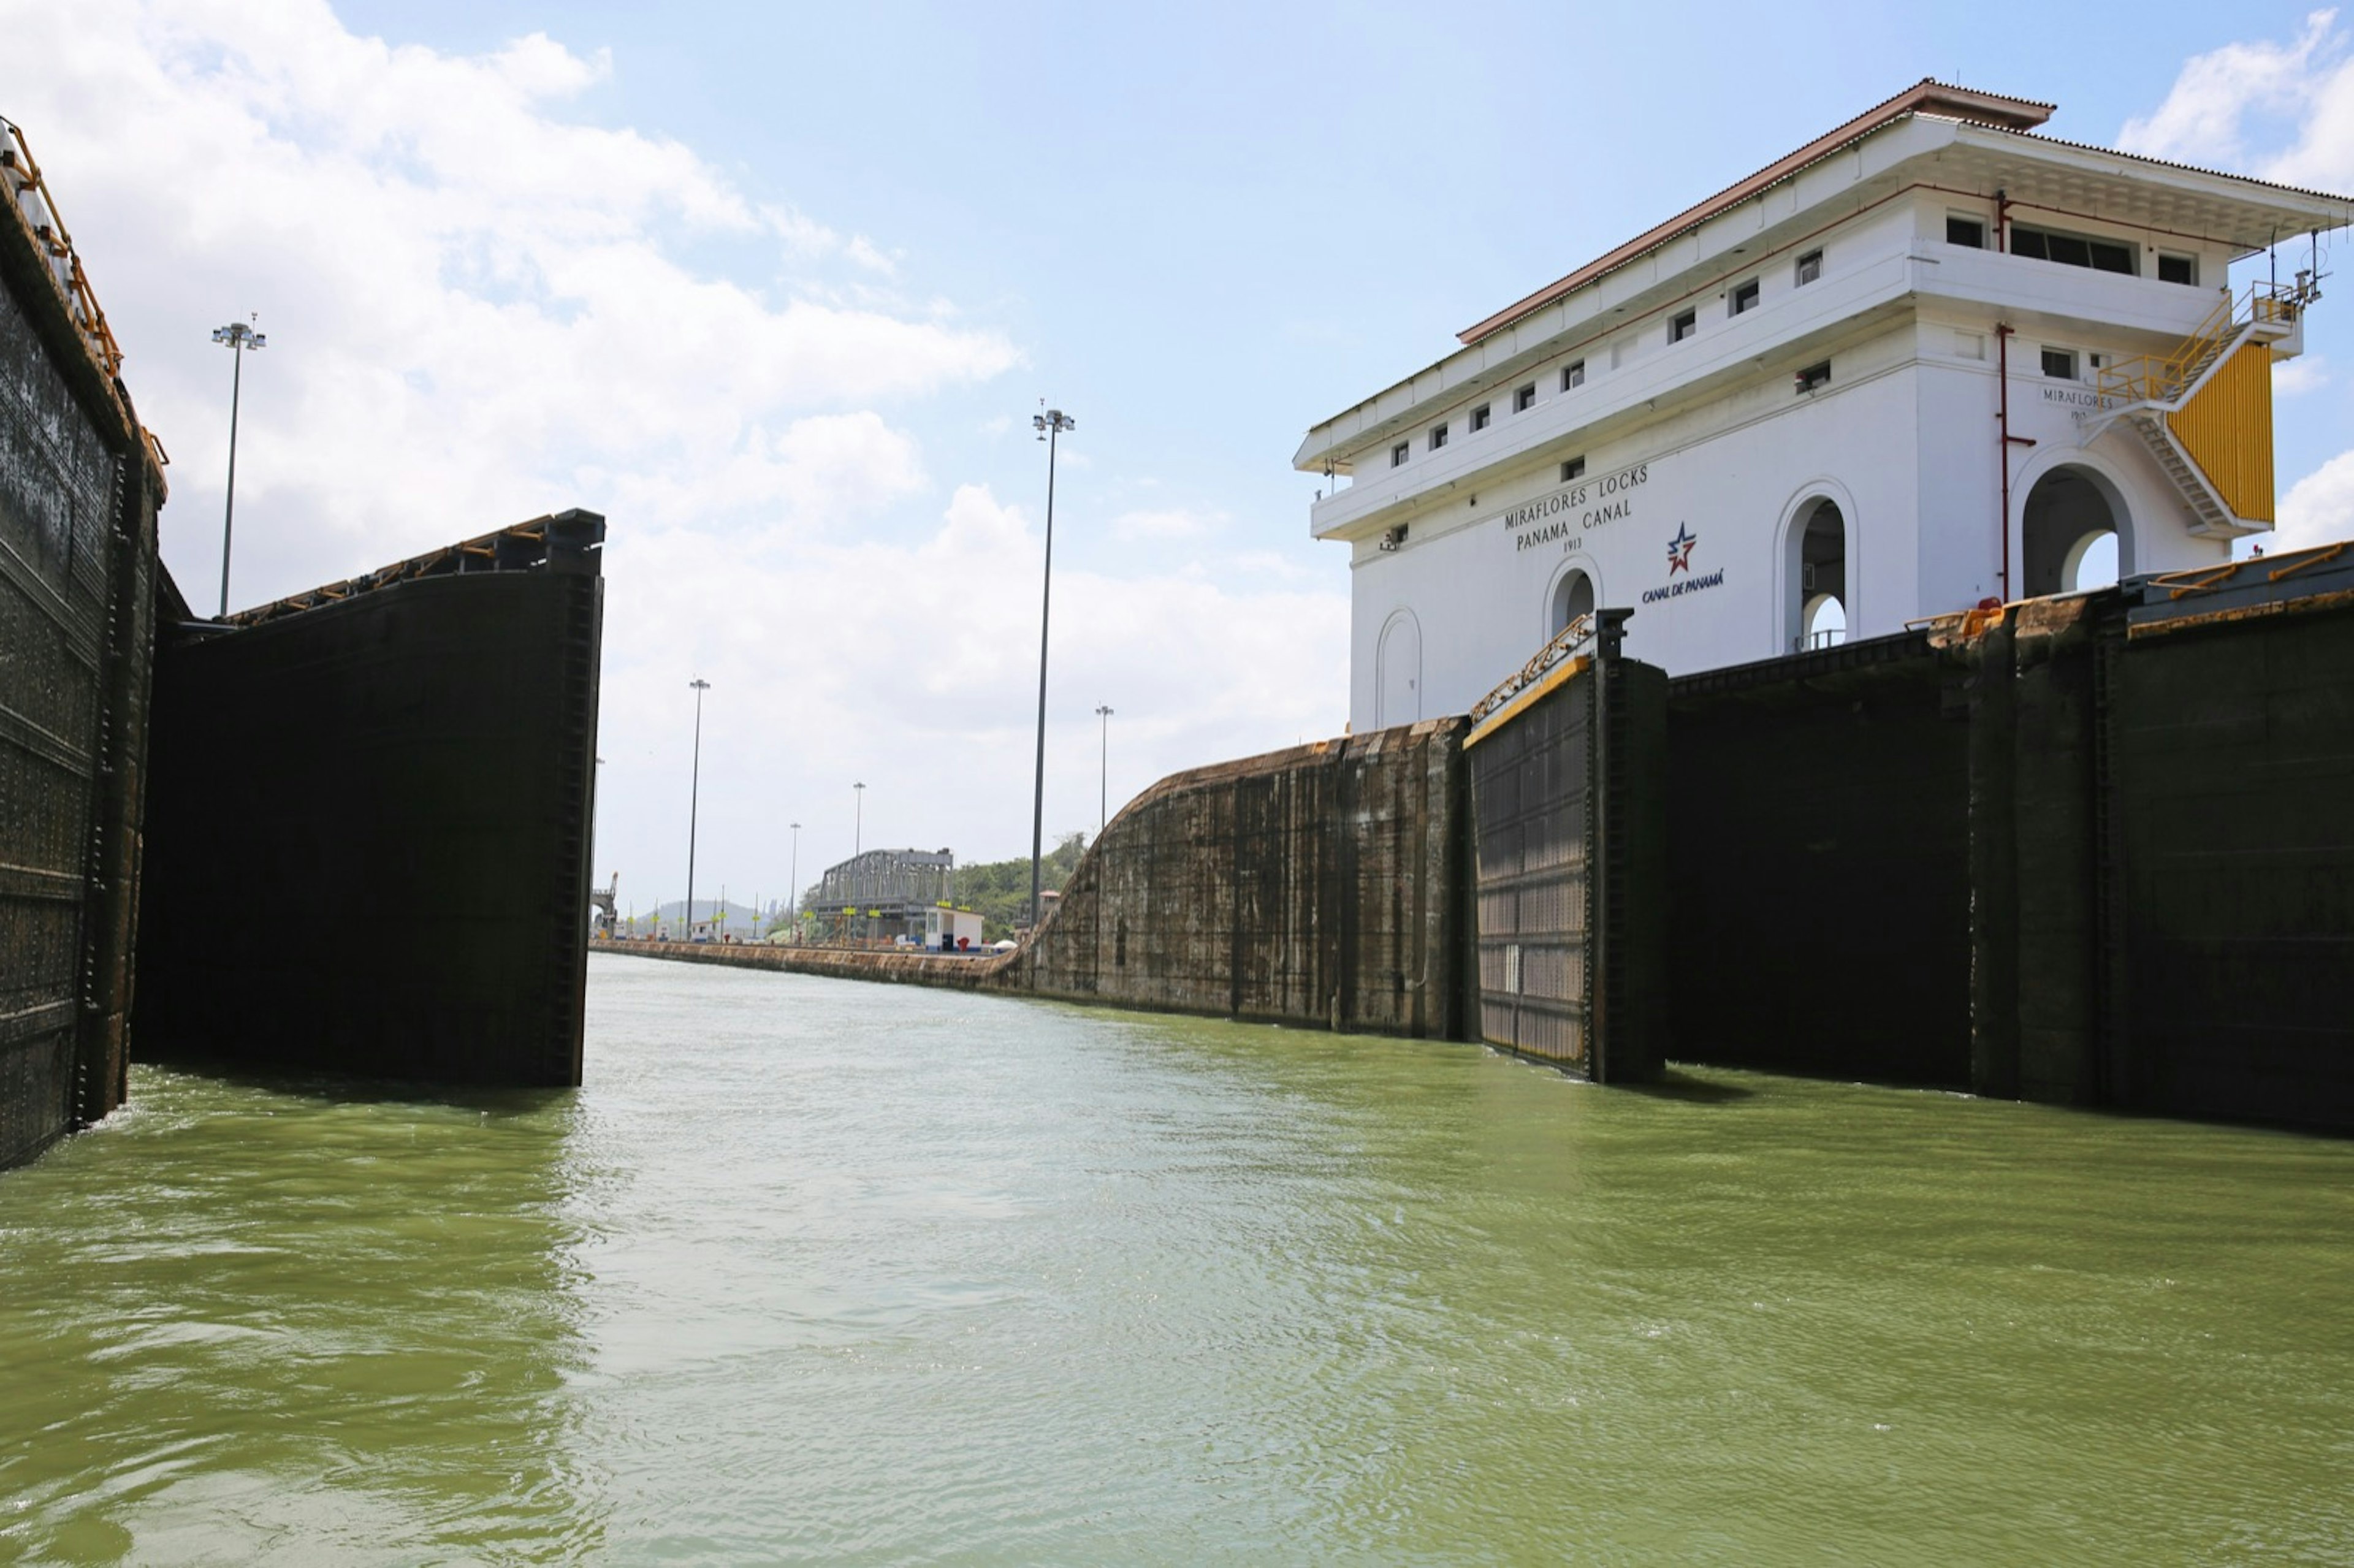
(1052, 419)
(237, 335)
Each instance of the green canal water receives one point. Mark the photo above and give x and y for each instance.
(821, 1271)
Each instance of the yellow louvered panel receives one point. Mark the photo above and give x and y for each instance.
(2227, 429)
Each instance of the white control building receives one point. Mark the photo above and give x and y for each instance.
(1929, 359)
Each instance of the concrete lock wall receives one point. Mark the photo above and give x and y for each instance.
(79, 490)
(1321, 886)
(1325, 887)
(2090, 850)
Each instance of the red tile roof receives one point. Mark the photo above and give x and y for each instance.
(1928, 96)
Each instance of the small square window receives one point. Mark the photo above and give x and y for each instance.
(1574, 468)
(2178, 268)
(1572, 376)
(1967, 231)
(1480, 418)
(1682, 326)
(1398, 453)
(1814, 377)
(1438, 436)
(1809, 268)
(1744, 297)
(1525, 399)
(2060, 363)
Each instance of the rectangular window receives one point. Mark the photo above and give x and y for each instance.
(1968, 231)
(1681, 327)
(1574, 468)
(2178, 268)
(1814, 376)
(2060, 363)
(1810, 267)
(1397, 453)
(2073, 250)
(1572, 376)
(1438, 436)
(1745, 296)
(1525, 399)
(1480, 418)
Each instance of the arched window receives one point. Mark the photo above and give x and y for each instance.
(1817, 595)
(2069, 534)
(1572, 597)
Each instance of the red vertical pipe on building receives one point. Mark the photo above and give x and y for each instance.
(2003, 441)
(2002, 395)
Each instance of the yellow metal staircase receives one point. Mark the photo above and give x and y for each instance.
(2205, 411)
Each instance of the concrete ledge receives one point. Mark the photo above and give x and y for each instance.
(841, 963)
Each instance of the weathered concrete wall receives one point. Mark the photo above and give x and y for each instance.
(2035, 767)
(78, 493)
(887, 967)
(2095, 850)
(1325, 885)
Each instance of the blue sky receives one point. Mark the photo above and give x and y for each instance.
(778, 289)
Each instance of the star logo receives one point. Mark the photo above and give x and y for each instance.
(1679, 550)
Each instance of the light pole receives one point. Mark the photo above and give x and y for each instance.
(1050, 426)
(240, 339)
(797, 873)
(693, 800)
(858, 822)
(1103, 784)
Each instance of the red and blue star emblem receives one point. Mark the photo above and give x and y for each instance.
(1679, 550)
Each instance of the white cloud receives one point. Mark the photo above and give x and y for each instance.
(2295, 378)
(2319, 508)
(2242, 90)
(913, 665)
(483, 306)
(478, 309)
(1166, 523)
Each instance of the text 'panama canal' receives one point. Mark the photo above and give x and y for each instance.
(815, 1272)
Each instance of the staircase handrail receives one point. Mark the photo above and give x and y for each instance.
(2164, 378)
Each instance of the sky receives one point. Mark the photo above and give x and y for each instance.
(778, 290)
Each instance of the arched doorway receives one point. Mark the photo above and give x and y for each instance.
(1816, 613)
(2071, 534)
(1573, 596)
(1397, 673)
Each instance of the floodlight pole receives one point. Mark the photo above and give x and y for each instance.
(796, 873)
(858, 821)
(1103, 785)
(240, 339)
(693, 800)
(1050, 426)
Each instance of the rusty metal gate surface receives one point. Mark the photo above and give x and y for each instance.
(1532, 793)
(76, 559)
(1568, 843)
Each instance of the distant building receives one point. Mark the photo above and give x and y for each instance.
(1929, 358)
(886, 894)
